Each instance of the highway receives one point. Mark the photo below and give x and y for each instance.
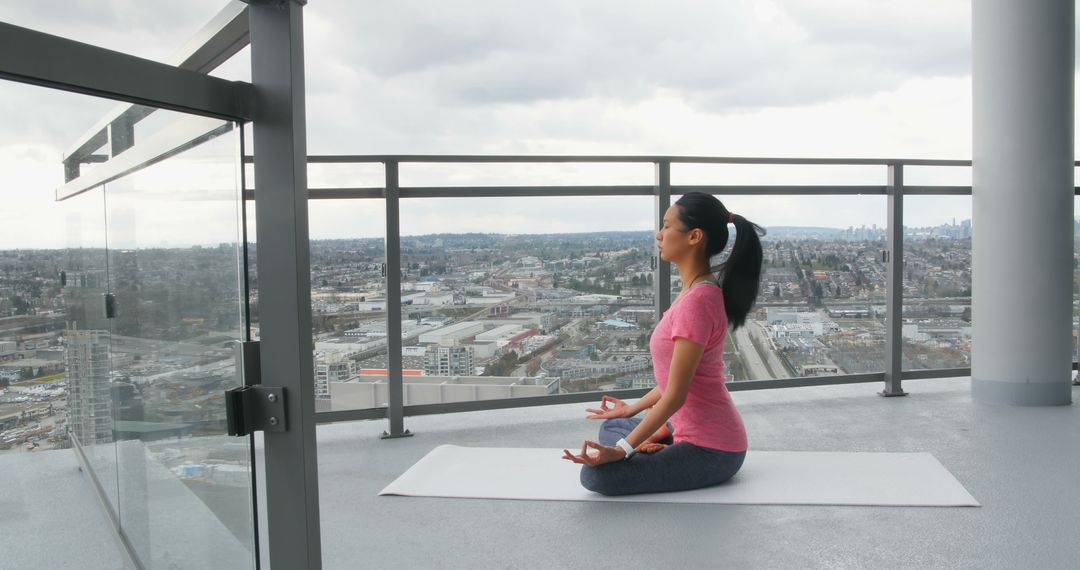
(758, 331)
(751, 358)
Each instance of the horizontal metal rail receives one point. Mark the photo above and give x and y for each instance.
(936, 373)
(624, 190)
(183, 134)
(29, 56)
(603, 158)
(559, 158)
(578, 397)
(523, 191)
(773, 190)
(937, 190)
(220, 39)
(375, 192)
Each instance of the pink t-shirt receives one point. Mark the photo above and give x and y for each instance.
(708, 418)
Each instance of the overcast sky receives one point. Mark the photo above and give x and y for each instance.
(806, 78)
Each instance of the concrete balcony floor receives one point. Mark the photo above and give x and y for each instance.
(1022, 464)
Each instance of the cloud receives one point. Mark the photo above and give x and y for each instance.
(722, 55)
(152, 30)
(464, 77)
(736, 78)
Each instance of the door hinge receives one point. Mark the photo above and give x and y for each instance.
(253, 407)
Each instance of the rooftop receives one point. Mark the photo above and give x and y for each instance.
(1020, 463)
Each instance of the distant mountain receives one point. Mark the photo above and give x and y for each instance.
(475, 237)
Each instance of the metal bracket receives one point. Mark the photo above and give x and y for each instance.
(253, 407)
(247, 353)
(388, 435)
(110, 305)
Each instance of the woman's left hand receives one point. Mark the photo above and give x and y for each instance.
(604, 454)
(651, 447)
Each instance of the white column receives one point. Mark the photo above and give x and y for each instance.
(1022, 218)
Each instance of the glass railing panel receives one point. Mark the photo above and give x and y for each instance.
(937, 175)
(1076, 281)
(346, 175)
(821, 305)
(520, 297)
(937, 324)
(348, 301)
(777, 174)
(175, 269)
(54, 339)
(527, 174)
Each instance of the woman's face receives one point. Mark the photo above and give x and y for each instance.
(674, 241)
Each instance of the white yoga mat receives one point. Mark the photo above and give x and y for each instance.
(766, 478)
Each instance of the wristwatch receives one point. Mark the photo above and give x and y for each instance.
(626, 447)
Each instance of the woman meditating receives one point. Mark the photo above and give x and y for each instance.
(705, 442)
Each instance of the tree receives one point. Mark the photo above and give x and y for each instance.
(20, 305)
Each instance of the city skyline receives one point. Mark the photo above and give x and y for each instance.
(871, 231)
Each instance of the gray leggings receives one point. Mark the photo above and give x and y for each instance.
(677, 467)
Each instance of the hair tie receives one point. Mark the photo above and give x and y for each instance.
(731, 217)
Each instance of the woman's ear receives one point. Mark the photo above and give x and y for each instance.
(696, 235)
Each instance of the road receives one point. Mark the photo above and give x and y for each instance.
(756, 365)
(758, 331)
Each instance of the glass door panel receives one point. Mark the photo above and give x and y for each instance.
(176, 267)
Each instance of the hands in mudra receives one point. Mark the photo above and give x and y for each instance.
(618, 409)
(603, 453)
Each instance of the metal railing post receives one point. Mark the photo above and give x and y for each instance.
(661, 268)
(894, 263)
(395, 378)
(284, 273)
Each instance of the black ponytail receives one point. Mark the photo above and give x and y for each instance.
(740, 273)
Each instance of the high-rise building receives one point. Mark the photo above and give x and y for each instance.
(89, 398)
(448, 361)
(333, 368)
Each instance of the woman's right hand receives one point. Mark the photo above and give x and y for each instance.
(618, 409)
